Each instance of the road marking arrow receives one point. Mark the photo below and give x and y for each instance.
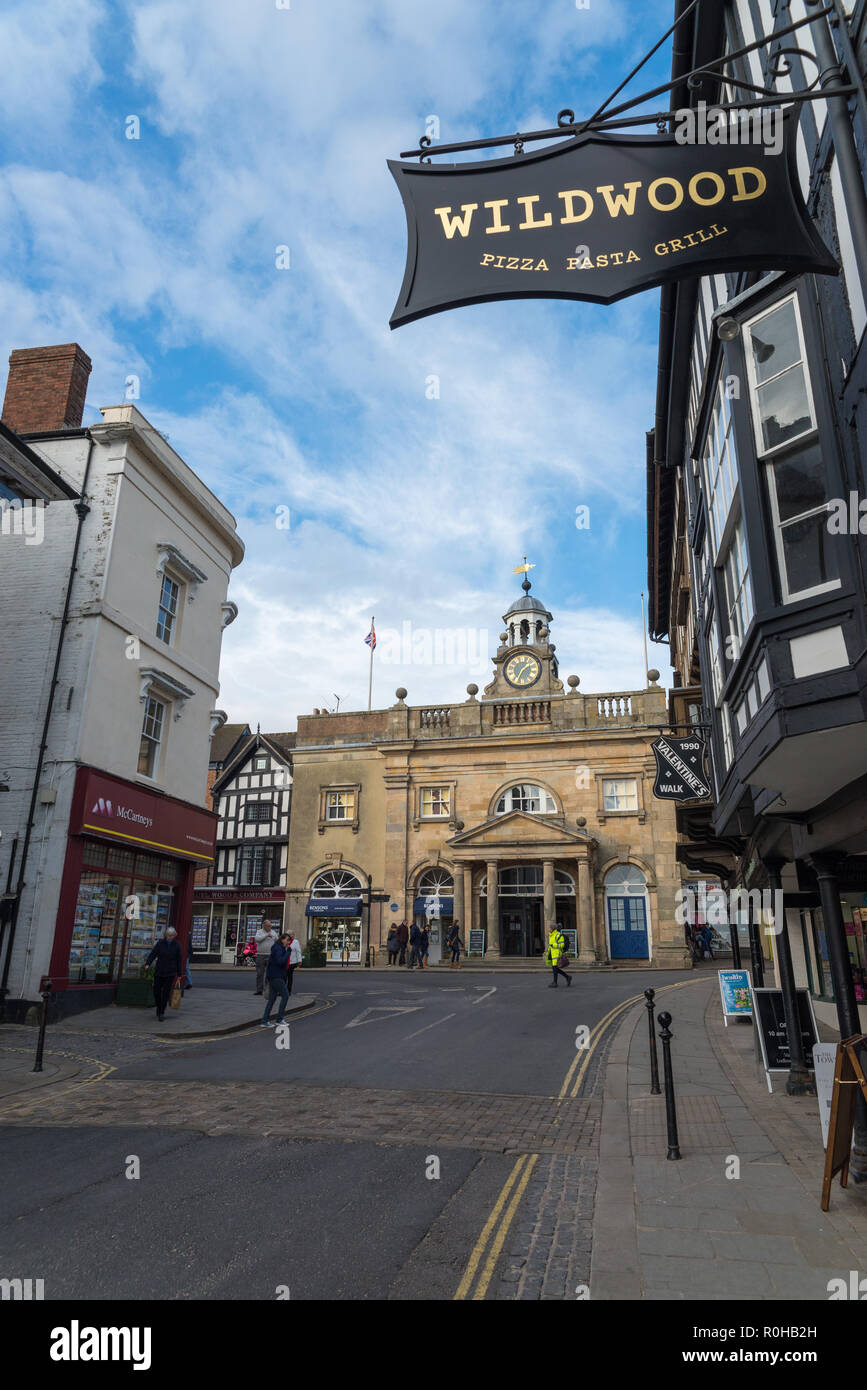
(479, 997)
(364, 1016)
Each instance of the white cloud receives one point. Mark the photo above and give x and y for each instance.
(261, 127)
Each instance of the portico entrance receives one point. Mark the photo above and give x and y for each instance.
(520, 907)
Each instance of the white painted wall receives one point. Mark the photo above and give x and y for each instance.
(140, 493)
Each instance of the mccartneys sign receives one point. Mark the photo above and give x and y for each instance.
(599, 217)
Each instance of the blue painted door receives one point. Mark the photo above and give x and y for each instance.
(627, 929)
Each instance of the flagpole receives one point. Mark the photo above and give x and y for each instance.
(370, 682)
(644, 635)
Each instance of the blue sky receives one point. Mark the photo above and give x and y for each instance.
(262, 127)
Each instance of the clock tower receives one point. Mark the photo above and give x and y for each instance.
(525, 664)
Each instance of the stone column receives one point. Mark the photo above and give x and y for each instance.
(586, 937)
(467, 877)
(458, 914)
(548, 898)
(493, 937)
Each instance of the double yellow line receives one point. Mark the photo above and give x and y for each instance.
(496, 1228)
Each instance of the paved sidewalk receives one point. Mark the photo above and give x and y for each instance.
(17, 1074)
(203, 1013)
(671, 1230)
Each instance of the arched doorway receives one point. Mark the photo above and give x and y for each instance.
(626, 912)
(433, 908)
(334, 909)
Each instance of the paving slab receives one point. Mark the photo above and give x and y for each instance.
(204, 1012)
(699, 1232)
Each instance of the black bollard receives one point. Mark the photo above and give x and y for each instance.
(45, 991)
(670, 1112)
(654, 1060)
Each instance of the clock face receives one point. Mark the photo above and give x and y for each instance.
(522, 669)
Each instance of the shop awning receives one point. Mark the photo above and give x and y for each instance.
(334, 907)
(447, 905)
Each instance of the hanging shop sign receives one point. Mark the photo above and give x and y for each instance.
(680, 774)
(599, 217)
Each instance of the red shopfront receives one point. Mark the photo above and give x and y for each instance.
(130, 865)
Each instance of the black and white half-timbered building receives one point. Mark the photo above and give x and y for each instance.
(253, 798)
(757, 479)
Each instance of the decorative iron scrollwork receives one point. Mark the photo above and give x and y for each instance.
(424, 144)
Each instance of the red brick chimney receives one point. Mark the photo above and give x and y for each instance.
(46, 388)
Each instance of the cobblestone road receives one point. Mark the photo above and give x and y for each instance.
(490, 1123)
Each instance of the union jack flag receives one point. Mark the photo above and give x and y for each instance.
(370, 639)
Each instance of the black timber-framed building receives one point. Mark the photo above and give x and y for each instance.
(760, 436)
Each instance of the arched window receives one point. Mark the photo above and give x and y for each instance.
(527, 880)
(625, 879)
(526, 797)
(336, 883)
(435, 882)
(525, 630)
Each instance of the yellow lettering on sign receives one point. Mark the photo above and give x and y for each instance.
(497, 225)
(624, 202)
(460, 222)
(654, 200)
(571, 214)
(738, 175)
(528, 213)
(719, 189)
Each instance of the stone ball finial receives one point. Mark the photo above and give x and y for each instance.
(544, 631)
(472, 689)
(573, 681)
(459, 824)
(581, 822)
(653, 674)
(400, 693)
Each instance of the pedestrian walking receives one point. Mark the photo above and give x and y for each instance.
(403, 938)
(392, 945)
(294, 957)
(556, 954)
(265, 938)
(344, 954)
(453, 941)
(414, 941)
(165, 956)
(423, 947)
(277, 977)
(707, 939)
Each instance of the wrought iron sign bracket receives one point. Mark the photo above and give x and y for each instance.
(608, 118)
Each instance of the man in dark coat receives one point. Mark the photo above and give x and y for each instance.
(167, 955)
(278, 981)
(403, 938)
(415, 942)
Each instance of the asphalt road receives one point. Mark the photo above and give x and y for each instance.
(241, 1216)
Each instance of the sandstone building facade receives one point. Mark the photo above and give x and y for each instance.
(528, 805)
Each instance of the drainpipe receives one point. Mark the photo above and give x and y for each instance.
(82, 509)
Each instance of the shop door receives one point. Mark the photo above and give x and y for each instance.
(513, 920)
(627, 929)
